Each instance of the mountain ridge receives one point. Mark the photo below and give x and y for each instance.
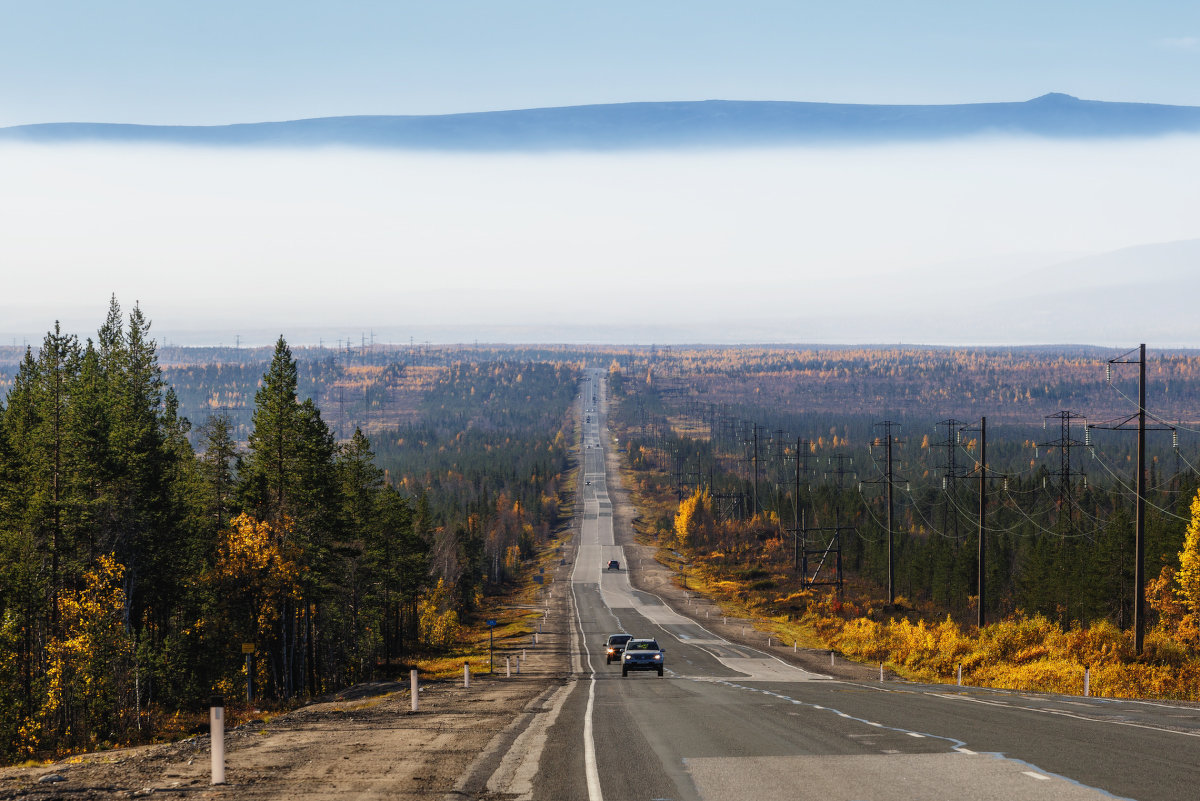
(669, 124)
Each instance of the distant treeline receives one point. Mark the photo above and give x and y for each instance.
(376, 387)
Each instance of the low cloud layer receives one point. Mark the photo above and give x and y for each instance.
(816, 245)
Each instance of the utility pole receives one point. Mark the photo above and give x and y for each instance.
(1139, 559)
(802, 456)
(887, 440)
(982, 514)
(952, 472)
(981, 559)
(839, 472)
(754, 511)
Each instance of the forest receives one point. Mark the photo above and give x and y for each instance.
(139, 554)
(1060, 522)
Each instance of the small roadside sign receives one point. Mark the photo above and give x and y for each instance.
(491, 622)
(247, 648)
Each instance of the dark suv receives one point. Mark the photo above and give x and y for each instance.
(615, 646)
(642, 655)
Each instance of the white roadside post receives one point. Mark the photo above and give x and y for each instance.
(466, 674)
(414, 689)
(831, 662)
(507, 667)
(1087, 681)
(960, 674)
(216, 728)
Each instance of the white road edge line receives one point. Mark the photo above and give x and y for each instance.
(1038, 776)
(591, 772)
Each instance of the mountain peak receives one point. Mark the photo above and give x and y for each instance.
(1055, 97)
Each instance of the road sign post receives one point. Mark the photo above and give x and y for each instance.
(491, 624)
(248, 650)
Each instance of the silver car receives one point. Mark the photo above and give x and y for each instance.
(642, 654)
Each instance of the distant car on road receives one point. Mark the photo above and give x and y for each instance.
(642, 654)
(615, 646)
(613, 564)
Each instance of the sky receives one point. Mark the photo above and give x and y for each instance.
(880, 244)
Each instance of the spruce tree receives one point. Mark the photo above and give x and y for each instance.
(290, 481)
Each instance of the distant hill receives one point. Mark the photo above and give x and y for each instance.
(709, 123)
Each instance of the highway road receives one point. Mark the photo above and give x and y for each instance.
(729, 722)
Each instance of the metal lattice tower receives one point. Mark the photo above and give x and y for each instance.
(1066, 476)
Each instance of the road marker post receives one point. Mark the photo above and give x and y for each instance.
(507, 667)
(881, 671)
(248, 650)
(466, 675)
(519, 663)
(414, 689)
(216, 728)
(1087, 681)
(960, 674)
(831, 662)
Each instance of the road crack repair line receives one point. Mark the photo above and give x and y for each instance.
(958, 746)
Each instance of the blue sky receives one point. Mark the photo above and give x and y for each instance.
(952, 243)
(218, 62)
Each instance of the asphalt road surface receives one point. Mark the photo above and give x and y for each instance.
(729, 722)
